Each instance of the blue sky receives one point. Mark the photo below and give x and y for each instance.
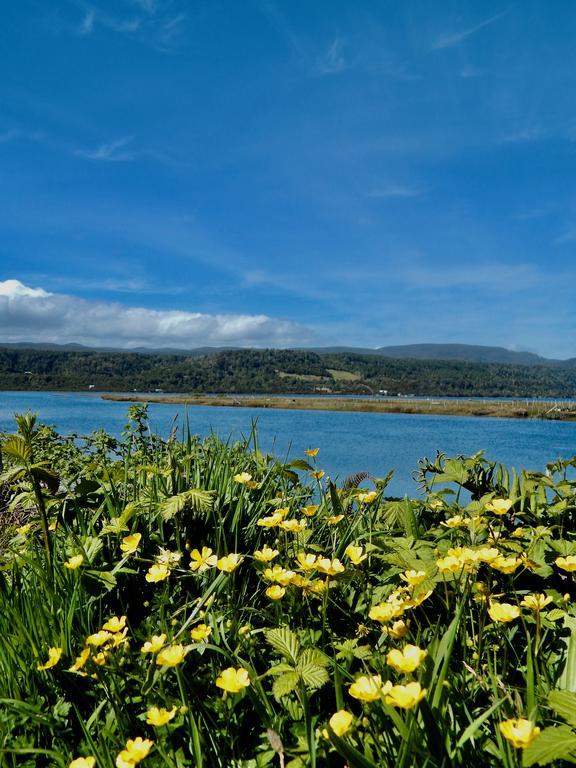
(281, 172)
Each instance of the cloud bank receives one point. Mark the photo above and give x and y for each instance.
(36, 315)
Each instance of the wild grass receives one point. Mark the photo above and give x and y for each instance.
(196, 603)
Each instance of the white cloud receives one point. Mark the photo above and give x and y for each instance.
(33, 314)
(395, 190)
(87, 24)
(111, 151)
(450, 40)
(332, 60)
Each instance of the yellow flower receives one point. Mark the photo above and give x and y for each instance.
(505, 564)
(385, 612)
(413, 577)
(566, 563)
(157, 573)
(341, 721)
(130, 543)
(334, 519)
(454, 522)
(138, 748)
(201, 561)
(306, 561)
(245, 629)
(275, 592)
(329, 567)
(155, 644)
(503, 612)
(168, 558)
(74, 562)
(171, 656)
(24, 529)
(271, 521)
(449, 564)
(80, 660)
(243, 478)
(233, 680)
(312, 452)
(284, 511)
(367, 688)
(318, 474)
(293, 526)
(83, 762)
(159, 716)
(355, 554)
(229, 563)
(99, 638)
(368, 497)
(100, 658)
(487, 554)
(536, 602)
(54, 655)
(405, 696)
(406, 660)
(436, 504)
(279, 575)
(309, 510)
(398, 629)
(123, 760)
(518, 533)
(115, 624)
(499, 506)
(520, 733)
(266, 554)
(200, 632)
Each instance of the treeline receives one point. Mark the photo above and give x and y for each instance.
(276, 371)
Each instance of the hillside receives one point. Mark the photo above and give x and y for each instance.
(276, 371)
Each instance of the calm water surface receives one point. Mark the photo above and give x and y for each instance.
(348, 442)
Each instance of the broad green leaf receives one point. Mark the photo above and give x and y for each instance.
(564, 704)
(285, 684)
(555, 743)
(313, 676)
(285, 642)
(195, 499)
(313, 656)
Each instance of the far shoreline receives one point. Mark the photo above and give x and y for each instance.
(515, 409)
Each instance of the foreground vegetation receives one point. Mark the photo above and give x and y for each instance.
(191, 603)
(279, 371)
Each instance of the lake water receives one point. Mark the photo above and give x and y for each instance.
(348, 442)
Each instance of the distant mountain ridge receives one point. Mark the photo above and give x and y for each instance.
(471, 353)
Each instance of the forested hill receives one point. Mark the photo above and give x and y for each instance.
(276, 371)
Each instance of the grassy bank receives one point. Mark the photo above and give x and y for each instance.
(190, 603)
(520, 409)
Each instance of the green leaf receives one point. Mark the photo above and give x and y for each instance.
(568, 678)
(555, 743)
(354, 758)
(17, 449)
(313, 656)
(564, 704)
(285, 684)
(313, 676)
(285, 642)
(195, 500)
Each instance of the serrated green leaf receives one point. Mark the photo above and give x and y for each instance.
(554, 743)
(564, 704)
(285, 684)
(313, 656)
(280, 669)
(195, 499)
(285, 642)
(313, 676)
